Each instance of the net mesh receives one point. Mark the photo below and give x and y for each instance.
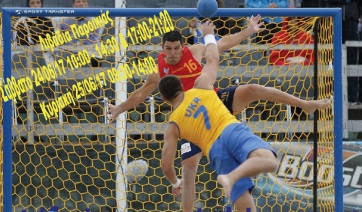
(67, 158)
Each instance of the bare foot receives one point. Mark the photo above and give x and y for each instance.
(226, 183)
(313, 105)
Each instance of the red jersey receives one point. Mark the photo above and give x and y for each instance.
(188, 69)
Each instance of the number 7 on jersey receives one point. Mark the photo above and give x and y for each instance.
(202, 109)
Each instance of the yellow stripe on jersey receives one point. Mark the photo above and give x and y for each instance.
(188, 75)
(201, 118)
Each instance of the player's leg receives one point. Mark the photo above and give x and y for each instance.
(249, 150)
(266, 163)
(243, 95)
(224, 163)
(245, 201)
(190, 156)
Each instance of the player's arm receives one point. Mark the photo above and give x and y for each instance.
(209, 72)
(137, 97)
(168, 153)
(232, 40)
(227, 42)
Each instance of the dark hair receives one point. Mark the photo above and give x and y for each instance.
(28, 5)
(170, 86)
(172, 36)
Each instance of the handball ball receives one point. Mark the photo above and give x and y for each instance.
(207, 8)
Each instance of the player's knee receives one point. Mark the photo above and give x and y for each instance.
(253, 89)
(189, 168)
(273, 162)
(273, 166)
(258, 91)
(252, 92)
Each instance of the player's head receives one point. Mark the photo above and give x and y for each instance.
(35, 3)
(80, 3)
(172, 46)
(170, 87)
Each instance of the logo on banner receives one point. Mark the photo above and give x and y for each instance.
(296, 171)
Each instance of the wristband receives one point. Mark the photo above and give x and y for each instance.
(209, 38)
(177, 184)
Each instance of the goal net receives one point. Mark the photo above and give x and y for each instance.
(63, 66)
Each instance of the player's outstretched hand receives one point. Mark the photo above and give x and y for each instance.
(255, 23)
(177, 191)
(113, 113)
(208, 28)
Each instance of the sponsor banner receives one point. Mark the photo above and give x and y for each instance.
(291, 187)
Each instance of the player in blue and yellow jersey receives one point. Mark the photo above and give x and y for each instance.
(200, 117)
(185, 62)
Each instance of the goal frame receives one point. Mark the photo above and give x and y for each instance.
(335, 13)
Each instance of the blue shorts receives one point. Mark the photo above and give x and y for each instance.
(188, 149)
(227, 97)
(230, 150)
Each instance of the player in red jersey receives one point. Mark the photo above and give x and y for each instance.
(188, 69)
(184, 62)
